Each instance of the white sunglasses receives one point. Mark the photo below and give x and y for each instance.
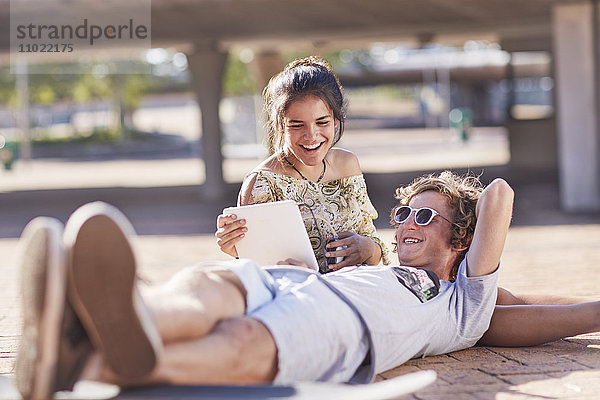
(423, 215)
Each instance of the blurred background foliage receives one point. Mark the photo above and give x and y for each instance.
(124, 92)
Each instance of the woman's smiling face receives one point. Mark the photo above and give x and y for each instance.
(309, 129)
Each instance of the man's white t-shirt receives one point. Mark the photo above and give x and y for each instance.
(403, 326)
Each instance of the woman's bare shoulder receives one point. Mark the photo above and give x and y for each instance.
(344, 162)
(270, 164)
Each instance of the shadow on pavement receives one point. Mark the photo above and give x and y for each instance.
(145, 146)
(180, 210)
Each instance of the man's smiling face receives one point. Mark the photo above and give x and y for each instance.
(427, 246)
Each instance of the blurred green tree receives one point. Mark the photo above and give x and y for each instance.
(237, 79)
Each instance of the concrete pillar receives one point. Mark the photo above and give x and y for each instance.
(265, 65)
(207, 65)
(577, 67)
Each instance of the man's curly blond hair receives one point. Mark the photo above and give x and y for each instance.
(462, 194)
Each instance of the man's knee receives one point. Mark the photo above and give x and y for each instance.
(189, 278)
(253, 348)
(197, 278)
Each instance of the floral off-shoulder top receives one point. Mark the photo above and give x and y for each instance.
(342, 205)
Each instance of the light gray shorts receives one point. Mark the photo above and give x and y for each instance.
(318, 336)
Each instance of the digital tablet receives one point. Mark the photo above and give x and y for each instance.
(275, 232)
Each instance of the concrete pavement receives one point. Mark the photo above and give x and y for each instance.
(558, 259)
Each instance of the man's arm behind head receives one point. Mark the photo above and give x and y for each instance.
(494, 212)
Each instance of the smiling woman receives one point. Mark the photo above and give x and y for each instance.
(309, 129)
(305, 108)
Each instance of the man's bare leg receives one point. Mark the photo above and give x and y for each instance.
(191, 313)
(128, 332)
(238, 350)
(189, 305)
(199, 315)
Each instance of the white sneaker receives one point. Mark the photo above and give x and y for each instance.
(53, 346)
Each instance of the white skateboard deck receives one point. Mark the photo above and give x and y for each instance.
(389, 389)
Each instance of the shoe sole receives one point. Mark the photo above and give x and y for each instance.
(74, 350)
(43, 288)
(101, 279)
